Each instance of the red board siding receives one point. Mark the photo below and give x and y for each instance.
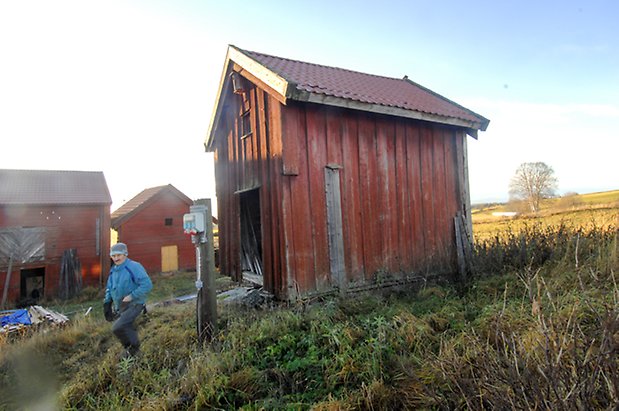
(300, 207)
(399, 192)
(145, 233)
(402, 216)
(351, 193)
(317, 158)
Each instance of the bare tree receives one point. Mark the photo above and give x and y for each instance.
(532, 183)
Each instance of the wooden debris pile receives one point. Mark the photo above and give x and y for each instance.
(39, 318)
(40, 315)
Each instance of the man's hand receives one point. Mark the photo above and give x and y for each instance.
(108, 312)
(127, 299)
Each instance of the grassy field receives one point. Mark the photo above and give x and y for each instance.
(585, 211)
(535, 326)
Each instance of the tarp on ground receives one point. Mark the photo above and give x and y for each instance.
(14, 317)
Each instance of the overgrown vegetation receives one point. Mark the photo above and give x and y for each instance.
(536, 327)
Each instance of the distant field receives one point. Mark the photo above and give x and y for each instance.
(586, 210)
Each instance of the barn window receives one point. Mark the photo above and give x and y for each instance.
(245, 125)
(168, 221)
(245, 117)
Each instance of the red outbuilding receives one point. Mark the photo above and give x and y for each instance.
(50, 220)
(151, 224)
(334, 180)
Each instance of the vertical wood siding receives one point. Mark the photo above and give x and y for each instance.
(400, 189)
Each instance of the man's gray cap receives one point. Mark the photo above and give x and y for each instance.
(119, 248)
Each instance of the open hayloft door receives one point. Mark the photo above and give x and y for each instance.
(251, 236)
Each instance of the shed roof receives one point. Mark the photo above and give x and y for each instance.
(58, 187)
(301, 81)
(143, 199)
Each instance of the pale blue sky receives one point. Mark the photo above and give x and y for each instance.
(128, 87)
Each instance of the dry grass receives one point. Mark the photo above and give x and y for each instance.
(587, 212)
(536, 327)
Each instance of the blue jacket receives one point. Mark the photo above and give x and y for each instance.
(128, 278)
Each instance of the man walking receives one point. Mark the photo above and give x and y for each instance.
(125, 295)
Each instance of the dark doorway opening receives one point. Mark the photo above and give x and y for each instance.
(32, 287)
(251, 234)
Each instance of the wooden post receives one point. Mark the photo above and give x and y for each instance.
(334, 226)
(206, 306)
(460, 249)
(7, 282)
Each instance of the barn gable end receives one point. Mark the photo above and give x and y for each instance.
(151, 224)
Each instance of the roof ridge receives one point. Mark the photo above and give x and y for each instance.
(321, 65)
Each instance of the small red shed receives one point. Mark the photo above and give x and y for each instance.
(43, 214)
(151, 224)
(334, 180)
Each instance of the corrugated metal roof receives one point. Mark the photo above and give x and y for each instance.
(53, 187)
(144, 197)
(365, 88)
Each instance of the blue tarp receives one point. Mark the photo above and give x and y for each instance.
(15, 317)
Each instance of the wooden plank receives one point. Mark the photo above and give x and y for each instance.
(451, 179)
(351, 198)
(274, 89)
(382, 210)
(438, 184)
(403, 216)
(334, 128)
(283, 286)
(234, 216)
(291, 153)
(367, 174)
(391, 221)
(335, 229)
(300, 208)
(459, 248)
(235, 227)
(463, 181)
(221, 176)
(254, 157)
(415, 211)
(467, 194)
(265, 185)
(427, 191)
(334, 138)
(7, 282)
(317, 159)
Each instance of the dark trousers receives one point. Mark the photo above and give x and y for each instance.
(124, 327)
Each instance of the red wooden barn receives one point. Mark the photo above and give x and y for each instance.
(335, 180)
(42, 215)
(151, 224)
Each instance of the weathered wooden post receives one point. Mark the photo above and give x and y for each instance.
(199, 223)
(7, 282)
